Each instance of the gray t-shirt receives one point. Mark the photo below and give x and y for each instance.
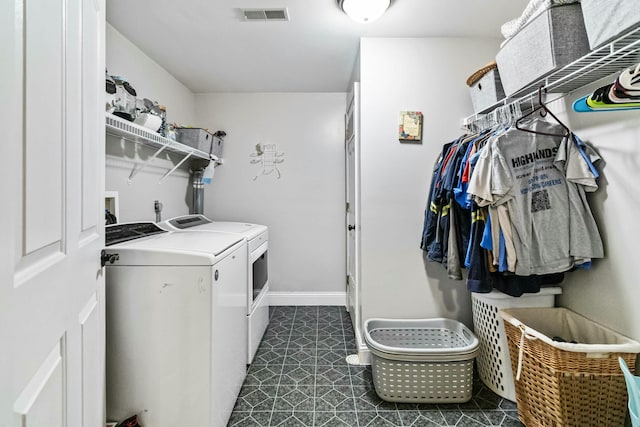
(551, 221)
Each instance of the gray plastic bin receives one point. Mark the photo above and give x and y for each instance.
(200, 139)
(606, 19)
(486, 91)
(421, 360)
(548, 42)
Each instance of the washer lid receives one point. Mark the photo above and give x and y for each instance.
(202, 223)
(175, 248)
(250, 231)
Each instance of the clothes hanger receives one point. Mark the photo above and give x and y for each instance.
(542, 108)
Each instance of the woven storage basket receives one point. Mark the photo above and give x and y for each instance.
(421, 360)
(477, 75)
(561, 387)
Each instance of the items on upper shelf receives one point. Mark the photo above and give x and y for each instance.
(118, 127)
(121, 128)
(122, 101)
(554, 38)
(604, 60)
(485, 87)
(152, 127)
(532, 10)
(622, 94)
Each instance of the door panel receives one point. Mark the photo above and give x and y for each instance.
(92, 368)
(351, 222)
(43, 130)
(41, 402)
(92, 118)
(51, 283)
(352, 140)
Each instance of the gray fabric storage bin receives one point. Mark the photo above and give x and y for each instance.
(550, 41)
(486, 91)
(606, 19)
(200, 139)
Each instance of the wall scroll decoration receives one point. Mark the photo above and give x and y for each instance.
(410, 128)
(268, 157)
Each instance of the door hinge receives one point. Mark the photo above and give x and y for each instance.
(108, 258)
(347, 206)
(347, 280)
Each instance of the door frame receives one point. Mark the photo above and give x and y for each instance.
(352, 207)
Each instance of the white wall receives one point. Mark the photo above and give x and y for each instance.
(148, 78)
(608, 293)
(150, 81)
(425, 75)
(304, 209)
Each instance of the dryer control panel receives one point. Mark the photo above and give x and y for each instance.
(119, 233)
(189, 221)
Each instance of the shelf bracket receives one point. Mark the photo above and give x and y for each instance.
(174, 168)
(138, 167)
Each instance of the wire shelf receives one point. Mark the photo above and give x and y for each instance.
(115, 126)
(602, 62)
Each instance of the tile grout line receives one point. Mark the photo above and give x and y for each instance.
(315, 369)
(346, 352)
(273, 407)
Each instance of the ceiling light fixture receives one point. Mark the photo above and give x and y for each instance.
(364, 11)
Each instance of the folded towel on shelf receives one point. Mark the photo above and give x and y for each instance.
(533, 9)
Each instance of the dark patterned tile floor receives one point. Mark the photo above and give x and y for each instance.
(300, 377)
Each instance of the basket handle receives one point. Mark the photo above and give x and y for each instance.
(524, 335)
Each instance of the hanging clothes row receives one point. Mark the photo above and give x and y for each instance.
(509, 204)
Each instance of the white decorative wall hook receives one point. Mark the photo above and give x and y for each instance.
(269, 158)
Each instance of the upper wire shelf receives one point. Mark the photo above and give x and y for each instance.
(130, 131)
(115, 126)
(604, 61)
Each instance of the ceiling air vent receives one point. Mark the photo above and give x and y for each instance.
(265, 14)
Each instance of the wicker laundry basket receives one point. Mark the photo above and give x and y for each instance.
(565, 383)
(421, 360)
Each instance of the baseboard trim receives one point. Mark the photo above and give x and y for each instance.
(308, 298)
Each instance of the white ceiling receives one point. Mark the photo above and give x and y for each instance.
(208, 47)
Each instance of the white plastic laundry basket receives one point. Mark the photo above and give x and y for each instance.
(421, 360)
(494, 366)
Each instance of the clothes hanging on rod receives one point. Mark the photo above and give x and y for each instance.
(553, 229)
(512, 204)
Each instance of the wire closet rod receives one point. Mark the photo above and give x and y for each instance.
(512, 111)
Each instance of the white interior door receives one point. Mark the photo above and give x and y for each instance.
(52, 162)
(352, 206)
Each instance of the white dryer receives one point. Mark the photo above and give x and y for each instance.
(257, 237)
(176, 325)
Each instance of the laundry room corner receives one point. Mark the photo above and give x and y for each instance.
(284, 168)
(408, 74)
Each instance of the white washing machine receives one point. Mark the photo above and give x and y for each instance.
(257, 237)
(176, 325)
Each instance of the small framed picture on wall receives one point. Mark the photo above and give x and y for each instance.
(410, 128)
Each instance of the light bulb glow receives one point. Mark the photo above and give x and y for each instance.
(365, 10)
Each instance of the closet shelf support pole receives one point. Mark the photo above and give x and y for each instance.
(174, 168)
(137, 168)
